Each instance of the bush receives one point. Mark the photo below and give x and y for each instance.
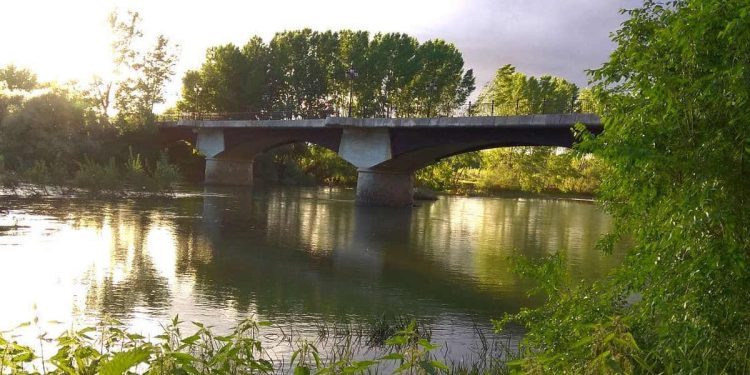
(97, 177)
(8, 179)
(676, 148)
(165, 175)
(135, 176)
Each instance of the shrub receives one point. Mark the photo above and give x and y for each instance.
(97, 177)
(165, 175)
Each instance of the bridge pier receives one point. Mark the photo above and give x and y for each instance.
(382, 188)
(229, 172)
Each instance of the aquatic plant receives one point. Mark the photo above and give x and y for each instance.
(248, 348)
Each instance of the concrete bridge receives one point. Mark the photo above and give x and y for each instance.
(386, 151)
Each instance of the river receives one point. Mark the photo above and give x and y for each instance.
(298, 257)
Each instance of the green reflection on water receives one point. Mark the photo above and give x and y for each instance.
(299, 255)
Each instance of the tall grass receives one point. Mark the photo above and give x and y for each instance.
(91, 176)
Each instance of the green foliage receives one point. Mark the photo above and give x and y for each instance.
(38, 173)
(97, 177)
(54, 140)
(101, 178)
(304, 164)
(450, 173)
(135, 176)
(14, 78)
(514, 93)
(141, 74)
(533, 169)
(675, 149)
(109, 349)
(578, 329)
(146, 73)
(8, 179)
(14, 357)
(304, 73)
(413, 352)
(305, 358)
(326, 167)
(166, 174)
(47, 128)
(589, 101)
(121, 362)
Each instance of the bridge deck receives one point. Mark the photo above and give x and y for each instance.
(548, 120)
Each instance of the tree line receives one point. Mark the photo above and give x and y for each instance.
(310, 74)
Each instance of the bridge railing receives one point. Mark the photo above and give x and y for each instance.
(491, 108)
(525, 107)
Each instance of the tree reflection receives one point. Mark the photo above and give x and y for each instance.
(301, 253)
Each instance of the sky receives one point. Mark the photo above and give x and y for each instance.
(70, 40)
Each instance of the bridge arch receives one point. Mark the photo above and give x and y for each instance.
(411, 150)
(418, 159)
(243, 144)
(231, 160)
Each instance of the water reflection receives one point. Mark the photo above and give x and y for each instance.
(287, 255)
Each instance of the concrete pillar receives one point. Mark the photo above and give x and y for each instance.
(379, 188)
(229, 172)
(210, 142)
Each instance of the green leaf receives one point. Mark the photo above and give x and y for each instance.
(183, 358)
(121, 362)
(190, 340)
(362, 365)
(393, 356)
(397, 340)
(440, 365)
(23, 357)
(611, 363)
(427, 345)
(583, 342)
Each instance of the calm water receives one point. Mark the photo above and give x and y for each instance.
(296, 257)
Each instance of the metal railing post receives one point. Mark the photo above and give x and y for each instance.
(492, 108)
